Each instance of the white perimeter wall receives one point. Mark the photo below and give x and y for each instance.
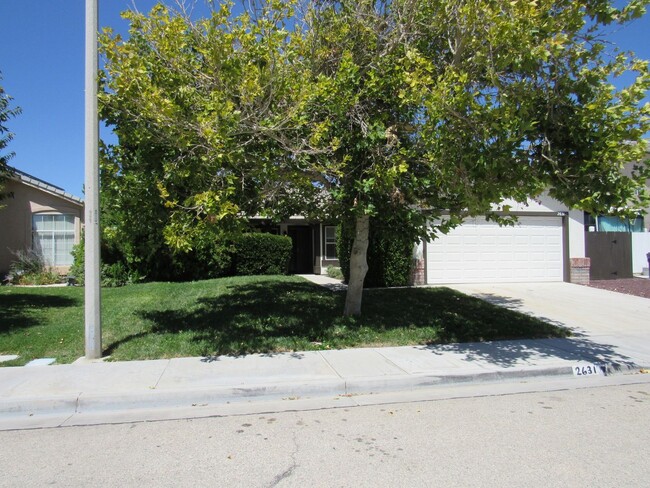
(640, 247)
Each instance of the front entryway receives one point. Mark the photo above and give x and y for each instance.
(302, 254)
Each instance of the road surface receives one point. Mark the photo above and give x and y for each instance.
(593, 437)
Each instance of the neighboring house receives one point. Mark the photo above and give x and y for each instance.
(39, 216)
(618, 247)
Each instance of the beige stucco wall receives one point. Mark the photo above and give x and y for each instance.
(16, 218)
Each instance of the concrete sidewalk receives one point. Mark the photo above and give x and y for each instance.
(74, 393)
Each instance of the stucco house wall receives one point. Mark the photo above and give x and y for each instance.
(28, 197)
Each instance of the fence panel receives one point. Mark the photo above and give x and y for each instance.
(610, 253)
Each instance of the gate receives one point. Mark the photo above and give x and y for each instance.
(610, 254)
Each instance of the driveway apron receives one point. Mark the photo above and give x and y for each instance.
(609, 326)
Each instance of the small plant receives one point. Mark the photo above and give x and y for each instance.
(26, 262)
(117, 274)
(335, 272)
(29, 268)
(77, 268)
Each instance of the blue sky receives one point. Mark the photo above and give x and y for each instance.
(42, 64)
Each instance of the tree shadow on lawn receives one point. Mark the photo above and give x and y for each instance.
(16, 308)
(279, 316)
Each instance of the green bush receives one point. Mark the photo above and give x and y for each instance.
(335, 272)
(390, 253)
(117, 274)
(210, 258)
(112, 274)
(77, 269)
(262, 254)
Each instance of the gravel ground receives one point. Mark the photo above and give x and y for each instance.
(630, 286)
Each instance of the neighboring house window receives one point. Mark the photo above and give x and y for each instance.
(330, 242)
(617, 224)
(53, 238)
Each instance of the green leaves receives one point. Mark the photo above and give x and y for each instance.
(341, 107)
(6, 113)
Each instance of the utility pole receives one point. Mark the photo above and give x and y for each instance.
(92, 309)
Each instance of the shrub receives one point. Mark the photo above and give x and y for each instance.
(77, 269)
(335, 272)
(390, 253)
(117, 274)
(29, 268)
(261, 253)
(112, 275)
(26, 262)
(210, 258)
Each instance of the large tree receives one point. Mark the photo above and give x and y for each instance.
(455, 106)
(195, 105)
(435, 110)
(6, 113)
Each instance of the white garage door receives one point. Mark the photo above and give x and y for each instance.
(483, 252)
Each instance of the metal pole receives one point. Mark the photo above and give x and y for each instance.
(92, 289)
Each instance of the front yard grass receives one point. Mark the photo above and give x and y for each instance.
(245, 315)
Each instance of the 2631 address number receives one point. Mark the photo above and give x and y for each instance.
(587, 370)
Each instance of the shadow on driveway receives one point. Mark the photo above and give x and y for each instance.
(508, 354)
(579, 347)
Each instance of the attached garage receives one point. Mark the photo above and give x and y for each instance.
(484, 252)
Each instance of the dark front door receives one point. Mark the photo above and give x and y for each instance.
(302, 254)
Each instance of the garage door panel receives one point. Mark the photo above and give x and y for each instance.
(481, 251)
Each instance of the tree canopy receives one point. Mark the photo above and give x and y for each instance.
(6, 113)
(432, 110)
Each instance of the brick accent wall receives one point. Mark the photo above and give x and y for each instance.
(580, 270)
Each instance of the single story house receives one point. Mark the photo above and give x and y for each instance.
(40, 216)
(546, 244)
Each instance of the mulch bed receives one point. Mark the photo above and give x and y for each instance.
(630, 286)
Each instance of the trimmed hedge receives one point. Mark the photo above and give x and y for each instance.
(390, 253)
(262, 254)
(247, 254)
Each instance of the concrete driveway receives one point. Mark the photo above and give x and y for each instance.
(614, 325)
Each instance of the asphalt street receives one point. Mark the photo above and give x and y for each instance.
(587, 437)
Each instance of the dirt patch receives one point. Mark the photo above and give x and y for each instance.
(639, 287)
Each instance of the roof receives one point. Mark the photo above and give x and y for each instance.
(30, 180)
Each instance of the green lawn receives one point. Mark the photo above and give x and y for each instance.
(246, 315)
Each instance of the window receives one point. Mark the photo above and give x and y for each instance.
(53, 238)
(618, 224)
(330, 242)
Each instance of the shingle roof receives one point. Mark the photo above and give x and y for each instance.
(43, 185)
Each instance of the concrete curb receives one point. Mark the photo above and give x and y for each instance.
(104, 402)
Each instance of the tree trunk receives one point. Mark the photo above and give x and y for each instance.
(358, 266)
